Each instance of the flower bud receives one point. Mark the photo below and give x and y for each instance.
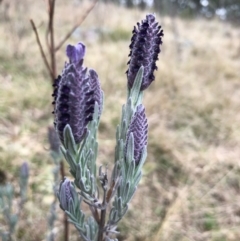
(144, 50)
(67, 195)
(139, 129)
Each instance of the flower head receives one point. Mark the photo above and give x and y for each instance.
(144, 50)
(67, 194)
(139, 129)
(74, 95)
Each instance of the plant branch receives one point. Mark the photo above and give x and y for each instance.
(41, 49)
(104, 182)
(76, 26)
(103, 218)
(51, 33)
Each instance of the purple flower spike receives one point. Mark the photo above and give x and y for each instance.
(75, 53)
(75, 93)
(67, 194)
(74, 103)
(144, 50)
(139, 128)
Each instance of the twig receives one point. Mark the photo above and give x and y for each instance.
(46, 40)
(51, 33)
(41, 49)
(102, 221)
(76, 26)
(47, 31)
(65, 221)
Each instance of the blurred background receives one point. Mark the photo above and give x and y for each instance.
(191, 180)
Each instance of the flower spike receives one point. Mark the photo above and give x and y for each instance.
(144, 50)
(139, 128)
(74, 95)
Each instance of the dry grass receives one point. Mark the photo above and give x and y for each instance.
(190, 189)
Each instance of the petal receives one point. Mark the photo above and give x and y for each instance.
(76, 53)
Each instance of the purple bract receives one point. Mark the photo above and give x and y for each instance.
(76, 53)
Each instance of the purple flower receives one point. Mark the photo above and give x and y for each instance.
(74, 95)
(139, 128)
(76, 53)
(144, 50)
(67, 194)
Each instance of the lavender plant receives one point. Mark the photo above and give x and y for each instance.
(78, 103)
